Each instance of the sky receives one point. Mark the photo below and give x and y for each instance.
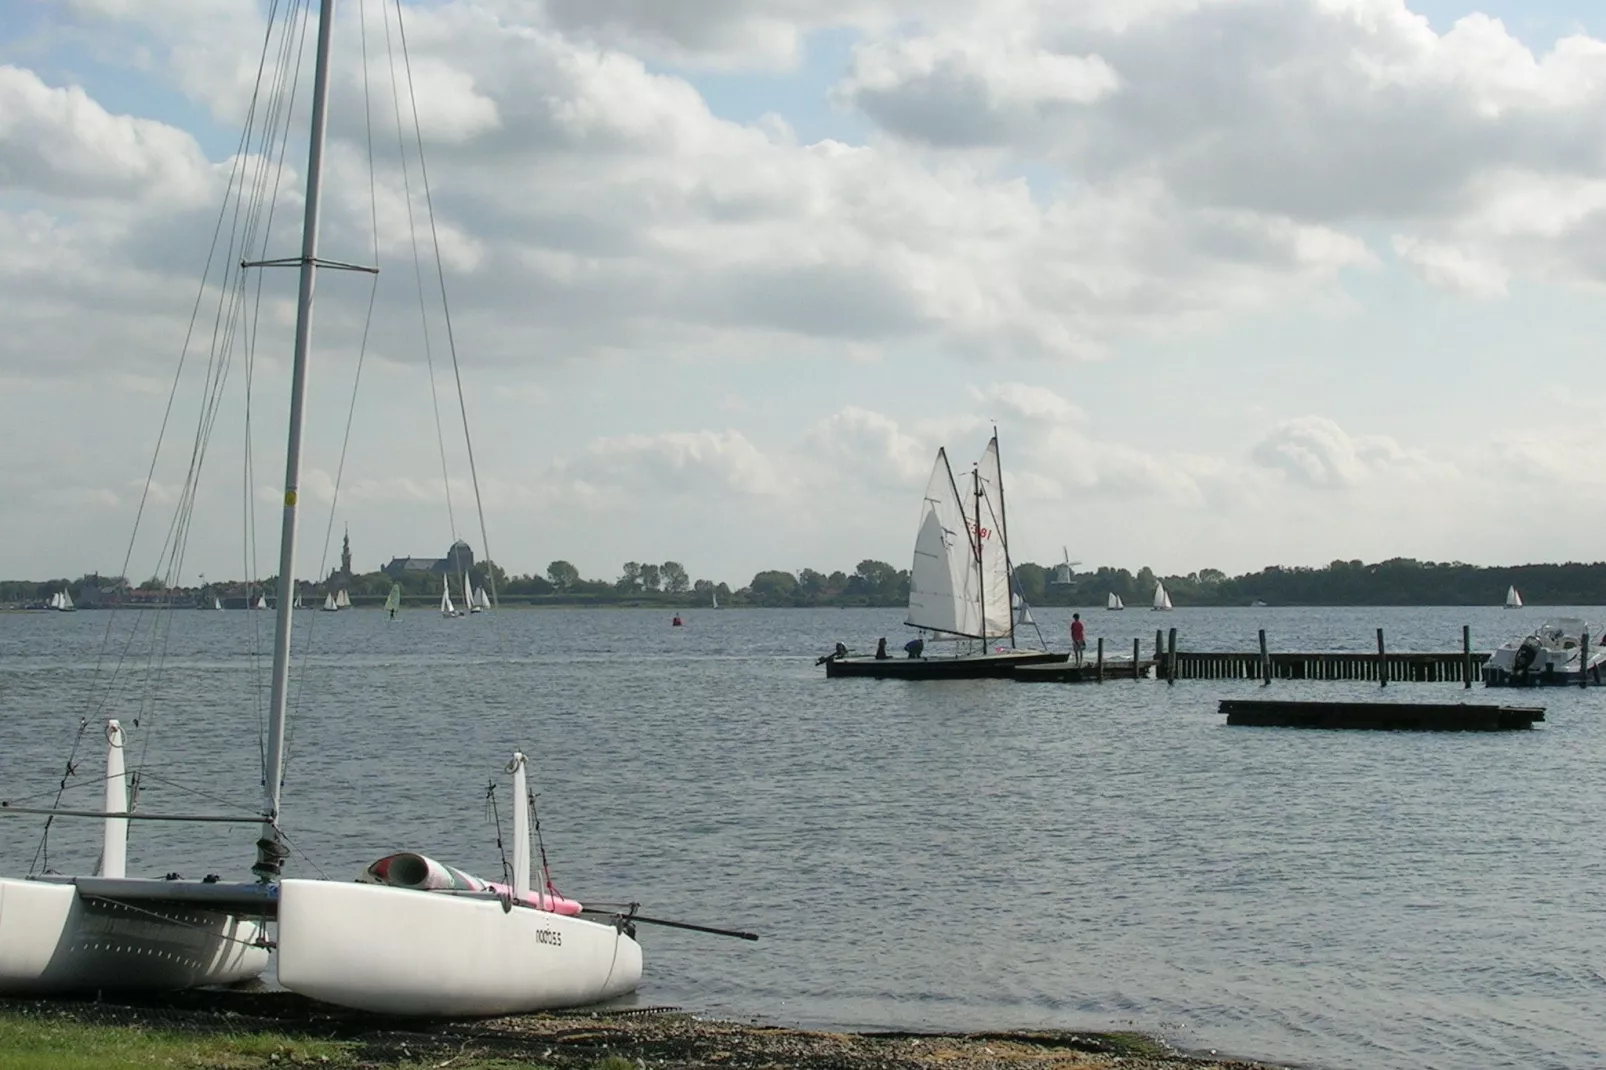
(1239, 282)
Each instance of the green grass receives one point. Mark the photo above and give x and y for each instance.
(31, 1042)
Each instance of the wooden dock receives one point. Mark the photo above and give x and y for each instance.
(1430, 668)
(1089, 672)
(1381, 716)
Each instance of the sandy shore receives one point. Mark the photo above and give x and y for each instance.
(648, 1038)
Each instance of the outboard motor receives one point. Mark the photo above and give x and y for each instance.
(1526, 653)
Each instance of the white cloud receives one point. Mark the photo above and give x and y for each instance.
(1315, 452)
(57, 142)
(1453, 268)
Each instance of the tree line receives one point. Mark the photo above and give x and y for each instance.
(1397, 581)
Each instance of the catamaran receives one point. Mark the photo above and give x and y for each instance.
(961, 583)
(398, 941)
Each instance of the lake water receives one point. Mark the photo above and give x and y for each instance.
(943, 855)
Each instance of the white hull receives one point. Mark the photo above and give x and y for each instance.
(51, 940)
(398, 951)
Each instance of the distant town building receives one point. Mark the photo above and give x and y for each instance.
(458, 559)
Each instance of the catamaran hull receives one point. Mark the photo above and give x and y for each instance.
(398, 951)
(53, 940)
(969, 667)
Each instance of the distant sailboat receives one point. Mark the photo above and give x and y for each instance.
(1023, 612)
(329, 603)
(393, 599)
(63, 601)
(217, 603)
(481, 599)
(262, 601)
(342, 599)
(714, 592)
(1513, 599)
(1162, 599)
(447, 609)
(1114, 602)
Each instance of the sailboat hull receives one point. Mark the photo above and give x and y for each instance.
(399, 951)
(54, 940)
(966, 667)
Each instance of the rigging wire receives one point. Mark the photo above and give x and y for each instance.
(451, 341)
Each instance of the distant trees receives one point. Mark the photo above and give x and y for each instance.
(562, 575)
(1398, 581)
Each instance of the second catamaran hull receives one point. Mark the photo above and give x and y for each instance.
(54, 940)
(399, 951)
(966, 667)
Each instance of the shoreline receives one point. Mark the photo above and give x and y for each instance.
(664, 1037)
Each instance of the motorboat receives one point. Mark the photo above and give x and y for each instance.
(1558, 652)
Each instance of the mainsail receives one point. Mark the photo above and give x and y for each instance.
(993, 545)
(942, 580)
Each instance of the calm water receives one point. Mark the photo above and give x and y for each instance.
(953, 855)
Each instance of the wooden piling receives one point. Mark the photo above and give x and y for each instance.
(1171, 659)
(1159, 647)
(1137, 660)
(1265, 661)
(1382, 661)
(1101, 659)
(1466, 654)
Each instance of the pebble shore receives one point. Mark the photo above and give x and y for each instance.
(649, 1038)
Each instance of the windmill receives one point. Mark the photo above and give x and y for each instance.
(1062, 571)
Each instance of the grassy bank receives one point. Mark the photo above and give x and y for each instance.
(257, 1031)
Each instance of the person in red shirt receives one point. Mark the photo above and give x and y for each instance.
(1078, 637)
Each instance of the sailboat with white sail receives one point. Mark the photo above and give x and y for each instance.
(447, 609)
(961, 585)
(329, 603)
(393, 599)
(1513, 599)
(262, 601)
(1114, 602)
(1162, 597)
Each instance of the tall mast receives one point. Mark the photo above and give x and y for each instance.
(981, 585)
(271, 851)
(1003, 535)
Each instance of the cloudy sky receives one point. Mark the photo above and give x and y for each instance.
(1240, 282)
